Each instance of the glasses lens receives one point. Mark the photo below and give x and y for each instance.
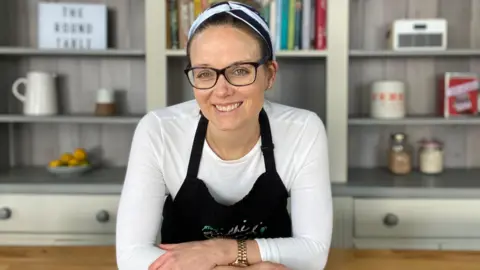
(238, 75)
(202, 77)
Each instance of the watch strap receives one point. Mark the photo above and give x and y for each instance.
(241, 254)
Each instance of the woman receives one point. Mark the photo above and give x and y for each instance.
(227, 162)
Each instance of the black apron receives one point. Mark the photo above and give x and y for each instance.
(195, 215)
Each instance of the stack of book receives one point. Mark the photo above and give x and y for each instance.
(294, 24)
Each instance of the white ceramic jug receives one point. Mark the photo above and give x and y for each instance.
(40, 97)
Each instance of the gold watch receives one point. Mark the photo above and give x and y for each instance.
(241, 260)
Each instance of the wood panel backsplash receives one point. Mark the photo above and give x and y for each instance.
(369, 21)
(78, 80)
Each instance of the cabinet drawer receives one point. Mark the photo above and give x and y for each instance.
(417, 218)
(58, 213)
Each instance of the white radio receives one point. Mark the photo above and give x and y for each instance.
(418, 34)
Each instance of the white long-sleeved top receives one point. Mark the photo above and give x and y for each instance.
(158, 164)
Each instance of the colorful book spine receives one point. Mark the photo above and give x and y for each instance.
(183, 22)
(173, 24)
(197, 8)
(321, 21)
(306, 24)
(279, 24)
(298, 25)
(272, 23)
(285, 20)
(291, 24)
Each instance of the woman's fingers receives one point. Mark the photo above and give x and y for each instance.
(167, 246)
(162, 260)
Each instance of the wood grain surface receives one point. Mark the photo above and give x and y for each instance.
(103, 258)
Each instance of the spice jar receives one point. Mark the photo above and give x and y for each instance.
(400, 159)
(431, 157)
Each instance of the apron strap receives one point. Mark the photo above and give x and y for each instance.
(197, 148)
(267, 142)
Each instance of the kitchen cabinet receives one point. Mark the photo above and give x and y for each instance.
(363, 223)
(56, 219)
(69, 219)
(417, 223)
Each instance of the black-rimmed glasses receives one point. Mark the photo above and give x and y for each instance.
(237, 74)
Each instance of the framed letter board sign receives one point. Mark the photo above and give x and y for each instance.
(72, 26)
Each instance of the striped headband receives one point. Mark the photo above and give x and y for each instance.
(242, 12)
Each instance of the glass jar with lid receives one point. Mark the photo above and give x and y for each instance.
(400, 158)
(431, 157)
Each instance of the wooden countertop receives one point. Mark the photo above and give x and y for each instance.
(103, 258)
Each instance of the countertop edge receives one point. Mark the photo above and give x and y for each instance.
(62, 188)
(405, 192)
(337, 190)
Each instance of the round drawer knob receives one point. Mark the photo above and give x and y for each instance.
(5, 213)
(103, 216)
(390, 220)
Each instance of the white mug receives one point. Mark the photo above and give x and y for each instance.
(40, 96)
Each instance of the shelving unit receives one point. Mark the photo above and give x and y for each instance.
(333, 83)
(368, 138)
(28, 143)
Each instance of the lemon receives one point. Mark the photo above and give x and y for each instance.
(66, 157)
(73, 162)
(80, 154)
(55, 163)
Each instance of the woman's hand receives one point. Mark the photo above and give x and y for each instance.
(199, 255)
(258, 266)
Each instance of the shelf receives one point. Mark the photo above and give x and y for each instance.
(414, 120)
(281, 54)
(389, 53)
(38, 180)
(70, 119)
(15, 51)
(381, 177)
(380, 183)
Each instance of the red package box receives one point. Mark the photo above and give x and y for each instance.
(459, 94)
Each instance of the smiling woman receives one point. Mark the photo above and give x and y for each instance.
(214, 175)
